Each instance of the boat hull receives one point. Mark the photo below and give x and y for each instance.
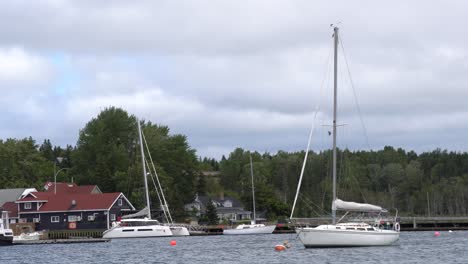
(6, 240)
(316, 237)
(179, 231)
(137, 232)
(250, 231)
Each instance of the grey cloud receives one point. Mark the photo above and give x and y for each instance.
(247, 74)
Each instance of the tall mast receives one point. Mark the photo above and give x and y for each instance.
(335, 88)
(253, 189)
(143, 162)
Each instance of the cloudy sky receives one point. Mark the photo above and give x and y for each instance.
(238, 73)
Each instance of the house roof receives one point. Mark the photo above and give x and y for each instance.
(11, 195)
(203, 201)
(64, 187)
(61, 202)
(11, 208)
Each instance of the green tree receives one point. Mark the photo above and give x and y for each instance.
(106, 148)
(211, 213)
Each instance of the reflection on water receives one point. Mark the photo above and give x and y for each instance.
(413, 247)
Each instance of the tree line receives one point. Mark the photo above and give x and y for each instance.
(107, 154)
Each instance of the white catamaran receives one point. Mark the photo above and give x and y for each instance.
(253, 227)
(132, 227)
(176, 229)
(352, 234)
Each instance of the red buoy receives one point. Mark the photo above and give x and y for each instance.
(280, 247)
(173, 243)
(436, 233)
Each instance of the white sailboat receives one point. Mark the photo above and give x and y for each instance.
(131, 227)
(343, 234)
(253, 227)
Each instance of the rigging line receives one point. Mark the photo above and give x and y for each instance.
(308, 205)
(308, 200)
(309, 140)
(165, 207)
(354, 93)
(157, 192)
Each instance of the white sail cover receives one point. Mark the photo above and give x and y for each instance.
(142, 212)
(352, 206)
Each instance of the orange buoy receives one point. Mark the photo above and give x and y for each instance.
(280, 247)
(173, 243)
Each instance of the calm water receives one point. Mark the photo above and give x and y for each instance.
(413, 247)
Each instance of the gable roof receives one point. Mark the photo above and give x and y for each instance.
(61, 202)
(11, 195)
(64, 187)
(11, 208)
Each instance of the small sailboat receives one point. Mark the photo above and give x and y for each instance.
(253, 227)
(6, 234)
(132, 227)
(356, 233)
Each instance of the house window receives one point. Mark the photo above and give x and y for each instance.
(12, 221)
(112, 217)
(27, 205)
(35, 220)
(23, 220)
(120, 202)
(90, 217)
(74, 218)
(55, 219)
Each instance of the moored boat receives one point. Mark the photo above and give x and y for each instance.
(253, 228)
(130, 226)
(250, 229)
(6, 234)
(343, 234)
(135, 228)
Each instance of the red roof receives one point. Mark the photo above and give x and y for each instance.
(11, 208)
(63, 187)
(72, 201)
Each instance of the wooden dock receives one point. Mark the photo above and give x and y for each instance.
(407, 223)
(60, 241)
(428, 223)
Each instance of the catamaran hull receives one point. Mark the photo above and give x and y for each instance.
(250, 231)
(179, 231)
(137, 232)
(312, 238)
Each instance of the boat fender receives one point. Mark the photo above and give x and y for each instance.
(397, 227)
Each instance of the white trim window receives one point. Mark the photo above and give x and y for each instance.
(120, 202)
(74, 218)
(55, 219)
(27, 206)
(90, 217)
(112, 217)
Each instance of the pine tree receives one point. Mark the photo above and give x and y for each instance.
(211, 213)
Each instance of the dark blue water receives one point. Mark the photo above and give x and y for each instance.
(413, 247)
